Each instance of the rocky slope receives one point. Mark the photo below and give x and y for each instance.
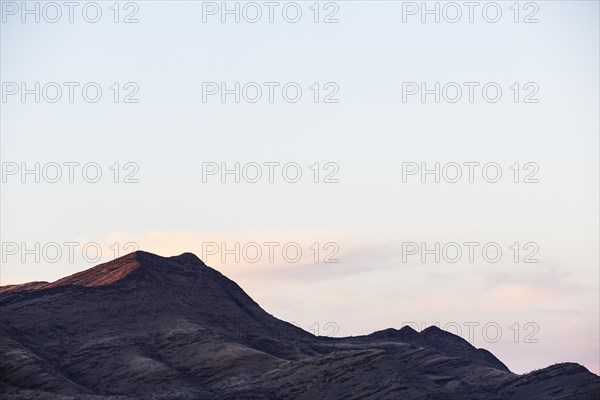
(148, 327)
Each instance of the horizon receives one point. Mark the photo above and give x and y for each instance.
(333, 327)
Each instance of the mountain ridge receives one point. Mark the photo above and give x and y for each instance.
(145, 326)
(106, 273)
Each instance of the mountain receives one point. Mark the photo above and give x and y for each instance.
(149, 327)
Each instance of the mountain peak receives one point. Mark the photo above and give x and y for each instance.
(113, 271)
(139, 261)
(188, 258)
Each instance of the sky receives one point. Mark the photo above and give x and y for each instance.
(353, 165)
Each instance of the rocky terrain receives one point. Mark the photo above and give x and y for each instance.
(149, 327)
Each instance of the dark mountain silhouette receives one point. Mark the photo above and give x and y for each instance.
(149, 327)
